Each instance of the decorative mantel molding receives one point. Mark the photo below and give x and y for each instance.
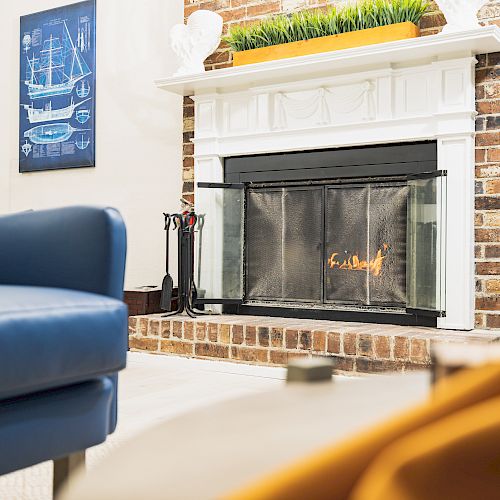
(443, 46)
(415, 90)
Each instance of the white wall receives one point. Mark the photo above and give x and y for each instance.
(139, 128)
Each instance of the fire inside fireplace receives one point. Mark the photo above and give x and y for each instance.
(349, 234)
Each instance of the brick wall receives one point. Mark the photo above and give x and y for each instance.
(487, 220)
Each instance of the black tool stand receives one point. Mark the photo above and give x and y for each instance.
(185, 224)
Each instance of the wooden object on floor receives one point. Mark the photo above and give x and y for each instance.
(64, 468)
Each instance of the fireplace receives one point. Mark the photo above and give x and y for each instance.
(350, 234)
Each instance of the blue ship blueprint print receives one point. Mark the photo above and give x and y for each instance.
(57, 88)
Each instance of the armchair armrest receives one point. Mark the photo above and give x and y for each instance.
(80, 248)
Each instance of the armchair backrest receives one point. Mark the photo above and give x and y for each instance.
(81, 248)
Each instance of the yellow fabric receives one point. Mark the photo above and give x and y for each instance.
(333, 472)
(457, 457)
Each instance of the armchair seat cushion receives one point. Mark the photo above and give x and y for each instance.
(53, 337)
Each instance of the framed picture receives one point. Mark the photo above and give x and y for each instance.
(57, 88)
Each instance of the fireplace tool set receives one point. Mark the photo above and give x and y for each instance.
(185, 224)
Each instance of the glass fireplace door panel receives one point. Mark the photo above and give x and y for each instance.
(387, 212)
(346, 245)
(426, 247)
(219, 242)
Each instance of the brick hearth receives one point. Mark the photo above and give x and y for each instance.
(352, 347)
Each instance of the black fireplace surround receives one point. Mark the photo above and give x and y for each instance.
(346, 234)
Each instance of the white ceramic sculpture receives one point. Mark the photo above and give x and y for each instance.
(460, 14)
(195, 41)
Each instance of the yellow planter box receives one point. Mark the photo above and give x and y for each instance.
(349, 40)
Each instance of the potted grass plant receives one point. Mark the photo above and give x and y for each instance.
(355, 24)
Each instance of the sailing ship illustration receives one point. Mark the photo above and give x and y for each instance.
(51, 133)
(26, 148)
(59, 67)
(47, 114)
(83, 89)
(83, 116)
(82, 142)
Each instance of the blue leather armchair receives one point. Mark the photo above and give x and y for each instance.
(63, 332)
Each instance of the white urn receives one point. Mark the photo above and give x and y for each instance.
(194, 41)
(460, 15)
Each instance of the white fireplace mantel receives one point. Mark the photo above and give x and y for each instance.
(412, 90)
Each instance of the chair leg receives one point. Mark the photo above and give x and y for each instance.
(64, 469)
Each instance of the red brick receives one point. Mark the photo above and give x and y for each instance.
(419, 352)
(492, 187)
(339, 363)
(277, 337)
(278, 357)
(305, 340)
(367, 365)
(493, 154)
(401, 348)
(488, 303)
(201, 331)
(237, 337)
(232, 15)
(176, 347)
(132, 325)
(334, 342)
(488, 235)
(492, 252)
(269, 7)
(143, 326)
(480, 320)
(487, 203)
(212, 350)
(250, 335)
(493, 321)
(250, 354)
(212, 332)
(177, 329)
(291, 339)
(165, 329)
(154, 328)
(349, 343)
(493, 286)
(189, 330)
(263, 334)
(488, 139)
(224, 334)
(480, 155)
(486, 171)
(365, 345)
(382, 346)
(319, 341)
(144, 344)
(487, 268)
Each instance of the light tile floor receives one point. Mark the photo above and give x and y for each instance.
(153, 389)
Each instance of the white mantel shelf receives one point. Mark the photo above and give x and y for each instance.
(468, 43)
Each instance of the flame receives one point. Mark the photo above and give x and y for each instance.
(354, 263)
